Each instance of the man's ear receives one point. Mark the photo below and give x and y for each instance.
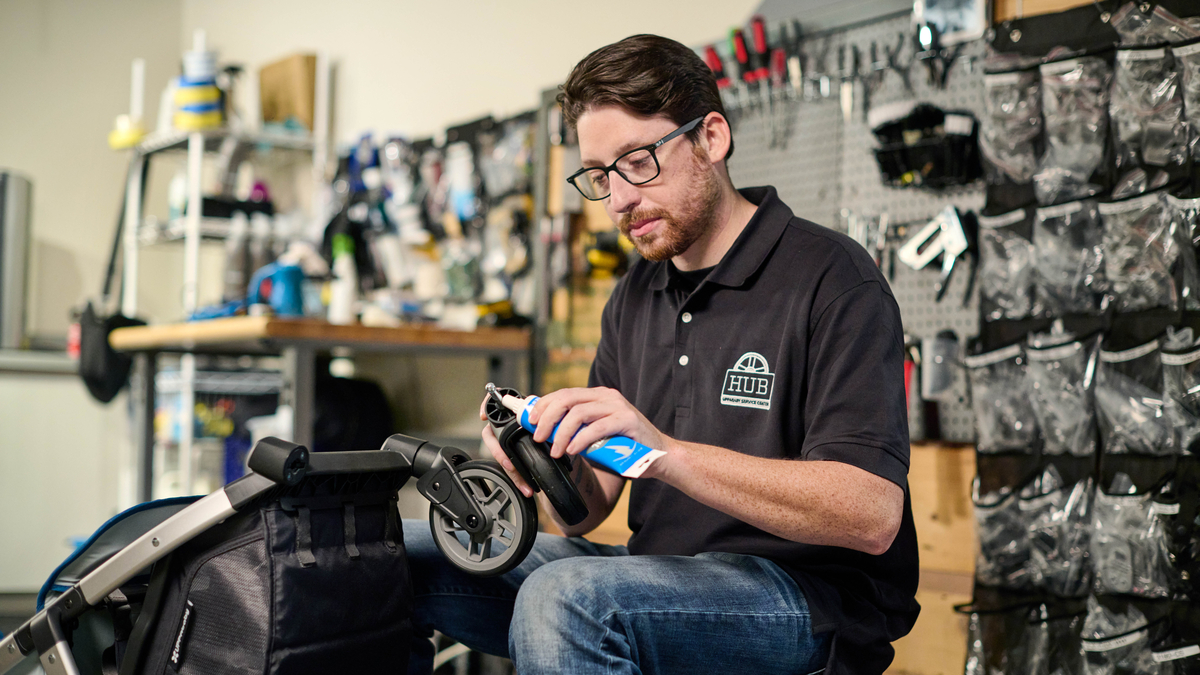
(716, 136)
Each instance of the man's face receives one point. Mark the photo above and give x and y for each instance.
(665, 216)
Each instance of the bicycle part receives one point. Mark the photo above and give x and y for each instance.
(513, 523)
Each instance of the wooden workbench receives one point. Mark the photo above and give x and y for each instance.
(297, 341)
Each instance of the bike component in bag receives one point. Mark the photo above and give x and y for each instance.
(1129, 402)
(1075, 97)
(1069, 261)
(1147, 109)
(1059, 520)
(1011, 128)
(1060, 378)
(1004, 417)
(1006, 265)
(1129, 541)
(1143, 264)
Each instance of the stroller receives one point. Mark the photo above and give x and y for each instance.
(297, 567)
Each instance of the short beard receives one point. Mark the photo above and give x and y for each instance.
(695, 218)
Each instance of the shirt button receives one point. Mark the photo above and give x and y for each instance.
(687, 317)
(683, 360)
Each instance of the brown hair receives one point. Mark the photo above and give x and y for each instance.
(646, 75)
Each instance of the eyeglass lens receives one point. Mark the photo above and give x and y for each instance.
(637, 167)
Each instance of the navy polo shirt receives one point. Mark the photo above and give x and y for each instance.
(791, 348)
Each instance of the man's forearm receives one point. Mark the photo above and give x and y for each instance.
(815, 502)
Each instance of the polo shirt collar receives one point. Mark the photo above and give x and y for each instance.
(752, 246)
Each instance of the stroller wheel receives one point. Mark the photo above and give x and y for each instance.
(514, 523)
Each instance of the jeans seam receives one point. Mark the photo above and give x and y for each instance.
(702, 612)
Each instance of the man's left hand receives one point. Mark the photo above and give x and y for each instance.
(587, 415)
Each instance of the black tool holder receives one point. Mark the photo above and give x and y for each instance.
(533, 462)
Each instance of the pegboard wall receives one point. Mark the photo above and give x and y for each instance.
(824, 166)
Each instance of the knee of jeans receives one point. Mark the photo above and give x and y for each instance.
(559, 590)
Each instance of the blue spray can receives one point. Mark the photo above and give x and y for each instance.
(618, 454)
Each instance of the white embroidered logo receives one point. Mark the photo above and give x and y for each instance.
(749, 383)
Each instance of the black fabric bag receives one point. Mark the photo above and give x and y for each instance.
(314, 580)
(103, 369)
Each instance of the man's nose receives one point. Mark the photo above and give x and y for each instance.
(624, 196)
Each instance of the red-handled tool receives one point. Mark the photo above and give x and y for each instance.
(713, 59)
(760, 56)
(737, 43)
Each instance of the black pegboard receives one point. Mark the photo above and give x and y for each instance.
(827, 165)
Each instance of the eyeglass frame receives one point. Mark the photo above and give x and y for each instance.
(649, 148)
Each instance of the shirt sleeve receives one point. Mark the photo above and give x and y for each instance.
(855, 410)
(604, 371)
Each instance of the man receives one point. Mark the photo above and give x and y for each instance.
(763, 355)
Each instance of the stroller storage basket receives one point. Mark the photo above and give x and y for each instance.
(299, 567)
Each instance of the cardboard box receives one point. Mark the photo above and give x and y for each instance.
(287, 89)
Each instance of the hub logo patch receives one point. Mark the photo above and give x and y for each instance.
(748, 384)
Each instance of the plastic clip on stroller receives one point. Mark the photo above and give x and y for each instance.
(259, 575)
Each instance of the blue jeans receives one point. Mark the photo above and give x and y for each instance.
(577, 607)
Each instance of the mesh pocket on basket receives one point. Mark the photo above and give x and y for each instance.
(226, 620)
(1070, 245)
(1004, 417)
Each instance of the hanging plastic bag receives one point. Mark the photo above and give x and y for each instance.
(1068, 266)
(996, 627)
(1187, 59)
(1060, 379)
(1184, 215)
(1011, 127)
(1051, 643)
(1006, 265)
(1140, 254)
(1181, 397)
(1075, 95)
(1147, 109)
(1129, 542)
(1117, 641)
(1004, 418)
(1002, 559)
(1059, 519)
(1154, 27)
(1129, 402)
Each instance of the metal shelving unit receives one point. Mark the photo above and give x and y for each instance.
(197, 145)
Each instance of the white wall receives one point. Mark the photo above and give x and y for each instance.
(416, 66)
(64, 77)
(63, 461)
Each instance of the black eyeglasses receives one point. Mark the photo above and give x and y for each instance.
(637, 167)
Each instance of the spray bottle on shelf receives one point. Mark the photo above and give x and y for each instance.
(618, 454)
(343, 290)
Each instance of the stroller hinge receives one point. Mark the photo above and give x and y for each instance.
(304, 538)
(348, 530)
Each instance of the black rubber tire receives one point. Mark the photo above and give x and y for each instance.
(553, 477)
(496, 494)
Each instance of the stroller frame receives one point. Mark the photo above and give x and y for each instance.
(273, 463)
